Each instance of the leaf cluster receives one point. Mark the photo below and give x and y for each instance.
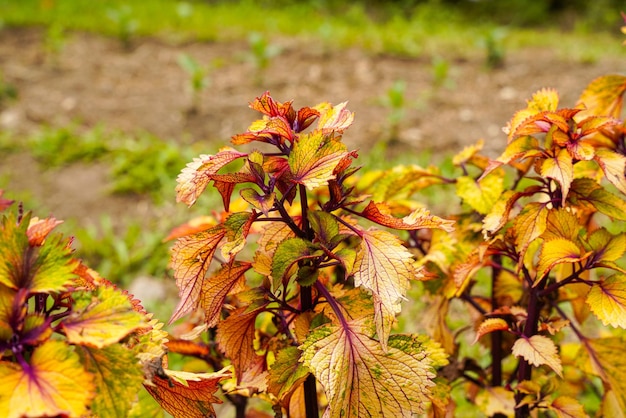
(71, 342)
(536, 257)
(300, 276)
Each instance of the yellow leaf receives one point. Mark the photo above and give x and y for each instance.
(607, 300)
(529, 225)
(566, 407)
(360, 379)
(101, 319)
(481, 195)
(604, 357)
(560, 168)
(557, 251)
(313, 159)
(538, 350)
(603, 96)
(55, 383)
(613, 165)
(496, 400)
(384, 267)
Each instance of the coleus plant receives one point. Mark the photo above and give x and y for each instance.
(299, 280)
(536, 259)
(72, 344)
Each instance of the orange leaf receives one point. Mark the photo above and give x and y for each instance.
(235, 336)
(229, 279)
(191, 257)
(38, 230)
(53, 383)
(538, 350)
(418, 219)
(187, 395)
(491, 325)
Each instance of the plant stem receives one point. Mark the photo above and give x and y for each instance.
(306, 304)
(496, 337)
(530, 328)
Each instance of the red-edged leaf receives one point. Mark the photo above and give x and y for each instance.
(187, 395)
(560, 168)
(313, 159)
(334, 118)
(38, 230)
(227, 280)
(194, 178)
(384, 267)
(235, 336)
(191, 257)
(270, 107)
(538, 350)
(418, 219)
(306, 116)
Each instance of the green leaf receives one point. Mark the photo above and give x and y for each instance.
(38, 268)
(589, 191)
(117, 375)
(607, 300)
(55, 383)
(538, 350)
(606, 246)
(480, 195)
(324, 225)
(360, 379)
(287, 373)
(264, 203)
(101, 318)
(237, 227)
(287, 254)
(313, 159)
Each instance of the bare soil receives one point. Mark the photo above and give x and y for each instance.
(94, 80)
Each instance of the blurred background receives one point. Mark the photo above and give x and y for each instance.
(102, 103)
